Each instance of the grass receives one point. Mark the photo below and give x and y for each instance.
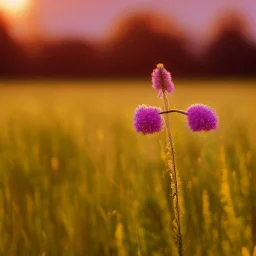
(75, 179)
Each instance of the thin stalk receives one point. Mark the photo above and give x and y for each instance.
(139, 251)
(174, 110)
(174, 176)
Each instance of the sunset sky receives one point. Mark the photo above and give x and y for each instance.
(97, 18)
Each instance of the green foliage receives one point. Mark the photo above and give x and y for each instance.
(75, 179)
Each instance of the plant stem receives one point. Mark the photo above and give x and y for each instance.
(174, 110)
(174, 176)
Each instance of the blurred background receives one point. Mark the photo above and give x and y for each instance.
(75, 177)
(115, 38)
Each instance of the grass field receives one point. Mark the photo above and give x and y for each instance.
(75, 178)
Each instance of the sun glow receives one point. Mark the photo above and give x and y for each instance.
(13, 6)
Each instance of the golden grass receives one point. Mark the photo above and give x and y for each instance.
(75, 179)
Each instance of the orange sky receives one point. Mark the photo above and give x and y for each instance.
(96, 18)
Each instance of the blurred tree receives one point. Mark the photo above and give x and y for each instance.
(12, 54)
(231, 53)
(142, 41)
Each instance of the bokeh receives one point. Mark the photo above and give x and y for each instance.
(99, 39)
(75, 177)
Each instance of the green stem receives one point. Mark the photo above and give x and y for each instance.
(174, 176)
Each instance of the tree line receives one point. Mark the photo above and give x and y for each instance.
(132, 52)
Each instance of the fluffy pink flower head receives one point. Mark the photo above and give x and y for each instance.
(201, 118)
(147, 120)
(162, 80)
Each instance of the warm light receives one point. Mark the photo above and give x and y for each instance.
(13, 6)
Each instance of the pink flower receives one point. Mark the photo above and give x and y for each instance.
(147, 119)
(201, 118)
(162, 80)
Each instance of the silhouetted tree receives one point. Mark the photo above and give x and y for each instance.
(232, 53)
(140, 45)
(12, 55)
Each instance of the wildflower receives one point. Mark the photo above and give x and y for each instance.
(162, 80)
(147, 119)
(201, 118)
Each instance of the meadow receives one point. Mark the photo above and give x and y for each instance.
(76, 179)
